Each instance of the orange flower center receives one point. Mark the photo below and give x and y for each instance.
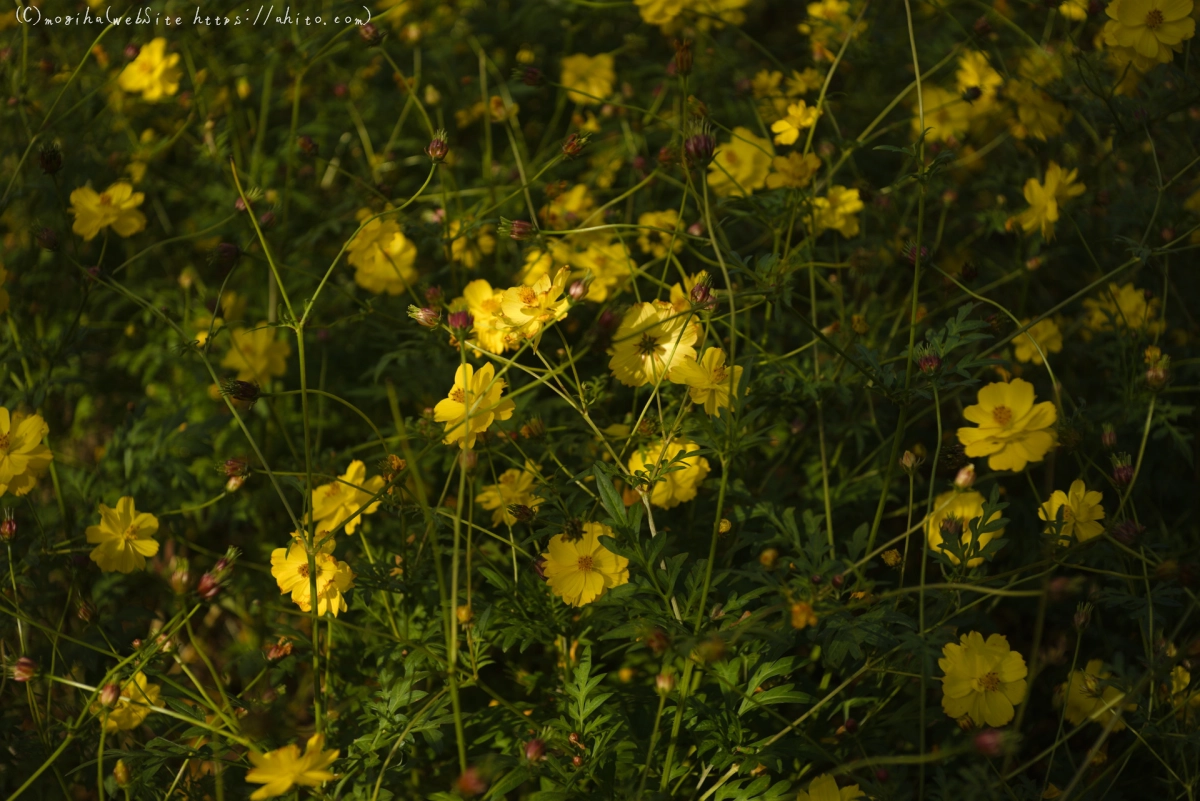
(989, 682)
(1154, 19)
(585, 564)
(4, 442)
(105, 200)
(131, 533)
(719, 374)
(457, 395)
(1002, 415)
(528, 296)
(303, 570)
(731, 157)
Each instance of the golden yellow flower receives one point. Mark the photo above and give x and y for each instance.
(473, 404)
(947, 115)
(765, 83)
(23, 457)
(838, 211)
(1081, 509)
(655, 242)
(1122, 308)
(256, 354)
(582, 570)
(605, 262)
(953, 512)
(567, 209)
(799, 117)
(1074, 10)
(708, 380)
(336, 502)
(659, 12)
(681, 484)
(1013, 430)
(589, 79)
(1045, 333)
(530, 309)
(1086, 700)
(468, 247)
(137, 696)
(984, 679)
(124, 538)
(801, 83)
(1044, 199)
(515, 487)
(484, 303)
(290, 568)
(1038, 114)
(153, 73)
(382, 257)
(975, 73)
(1148, 32)
(740, 165)
(116, 206)
(824, 788)
(717, 13)
(279, 770)
(651, 339)
(793, 171)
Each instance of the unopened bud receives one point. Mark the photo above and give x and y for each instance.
(724, 526)
(471, 783)
(530, 76)
(438, 147)
(574, 145)
(121, 774)
(266, 220)
(460, 322)
(578, 290)
(683, 57)
(434, 295)
(664, 683)
(24, 669)
(427, 317)
(46, 237)
(521, 512)
(50, 158)
(1122, 472)
(1083, 616)
(241, 390)
(702, 295)
(8, 529)
(838, 581)
(851, 726)
(535, 750)
(966, 477)
(698, 148)
(1108, 436)
(463, 614)
(539, 567)
(370, 34)
(110, 694)
(990, 742)
(1128, 532)
(520, 230)
(308, 145)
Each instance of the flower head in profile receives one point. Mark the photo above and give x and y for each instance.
(133, 705)
(680, 472)
(740, 165)
(23, 456)
(1045, 333)
(589, 79)
(1089, 698)
(486, 307)
(952, 515)
(257, 354)
(124, 538)
(291, 570)
(472, 405)
(1081, 511)
(1012, 430)
(341, 500)
(580, 571)
(530, 309)
(382, 256)
(280, 770)
(800, 116)
(116, 206)
(824, 788)
(154, 73)
(1148, 32)
(514, 488)
(984, 679)
(652, 339)
(1044, 199)
(708, 380)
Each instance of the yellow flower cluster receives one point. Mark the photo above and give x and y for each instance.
(382, 256)
(1045, 197)
(513, 488)
(680, 473)
(347, 499)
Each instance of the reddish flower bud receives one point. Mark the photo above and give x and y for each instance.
(434, 295)
(370, 34)
(267, 219)
(574, 145)
(132, 51)
(50, 158)
(24, 669)
(460, 322)
(470, 783)
(8, 529)
(577, 291)
(683, 57)
(110, 694)
(535, 750)
(427, 317)
(438, 147)
(990, 742)
(308, 146)
(521, 230)
(539, 567)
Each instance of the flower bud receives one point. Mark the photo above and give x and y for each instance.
(236, 467)
(463, 614)
(698, 148)
(46, 237)
(578, 290)
(85, 612)
(239, 204)
(768, 558)
(8, 529)
(530, 76)
(279, 650)
(982, 26)
(267, 220)
(802, 615)
(460, 322)
(724, 526)
(535, 750)
(520, 230)
(1128, 532)
(132, 51)
(965, 478)
(702, 295)
(308, 146)
(121, 774)
(851, 726)
(370, 34)
(711, 650)
(438, 147)
(574, 145)
(838, 581)
(50, 158)
(664, 683)
(539, 567)
(24, 669)
(892, 557)
(577, 761)
(1122, 472)
(234, 483)
(110, 694)
(882, 775)
(470, 783)
(1108, 436)
(521, 512)
(909, 462)
(241, 390)
(1083, 616)
(683, 57)
(426, 317)
(990, 743)
(468, 460)
(928, 361)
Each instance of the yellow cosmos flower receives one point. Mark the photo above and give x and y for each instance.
(334, 503)
(651, 339)
(947, 115)
(708, 380)
(1046, 334)
(1074, 10)
(153, 73)
(1148, 32)
(976, 73)
(656, 242)
(581, 571)
(682, 482)
(530, 309)
(468, 249)
(23, 457)
(984, 679)
(485, 305)
(1081, 509)
(1038, 114)
(1044, 199)
(116, 206)
(953, 511)
(793, 171)
(473, 404)
(514, 487)
(838, 211)
(137, 696)
(382, 256)
(1087, 700)
(1013, 430)
(801, 83)
(124, 538)
(589, 79)
(1122, 308)
(659, 12)
(567, 209)
(799, 117)
(605, 262)
(256, 354)
(824, 788)
(740, 165)
(290, 568)
(279, 770)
